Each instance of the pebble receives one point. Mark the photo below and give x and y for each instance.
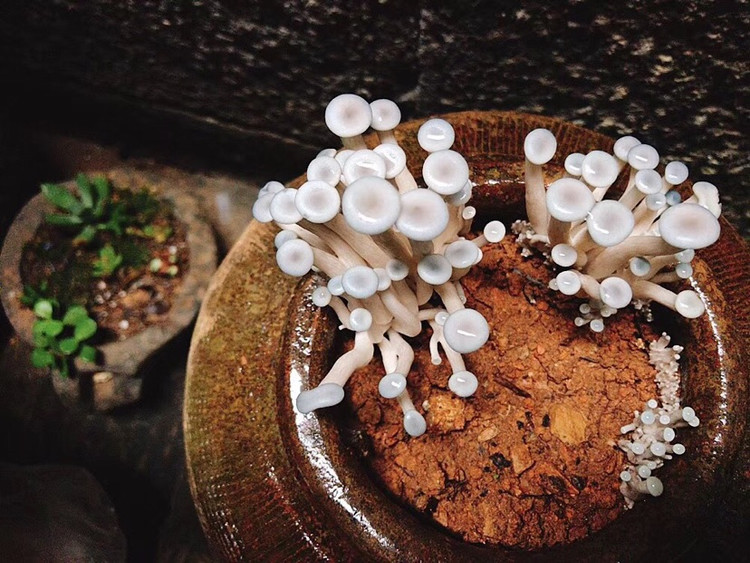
(123, 324)
(101, 285)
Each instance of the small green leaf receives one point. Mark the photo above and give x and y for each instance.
(84, 329)
(84, 189)
(48, 327)
(41, 340)
(86, 235)
(43, 309)
(87, 353)
(62, 198)
(101, 185)
(109, 260)
(68, 346)
(63, 220)
(74, 315)
(42, 358)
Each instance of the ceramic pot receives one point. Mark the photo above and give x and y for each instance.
(271, 483)
(114, 380)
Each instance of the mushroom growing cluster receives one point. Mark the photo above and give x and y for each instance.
(650, 437)
(618, 250)
(387, 246)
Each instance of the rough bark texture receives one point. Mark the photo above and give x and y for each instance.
(266, 69)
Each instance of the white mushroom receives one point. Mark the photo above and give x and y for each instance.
(371, 205)
(435, 135)
(445, 172)
(349, 116)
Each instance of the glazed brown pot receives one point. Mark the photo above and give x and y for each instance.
(271, 483)
(114, 380)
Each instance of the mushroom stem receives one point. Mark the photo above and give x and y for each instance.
(388, 355)
(450, 297)
(643, 289)
(403, 350)
(558, 231)
(536, 206)
(341, 310)
(615, 257)
(405, 320)
(357, 357)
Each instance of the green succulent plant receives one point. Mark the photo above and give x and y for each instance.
(90, 211)
(109, 260)
(59, 339)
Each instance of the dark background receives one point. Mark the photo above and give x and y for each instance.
(240, 87)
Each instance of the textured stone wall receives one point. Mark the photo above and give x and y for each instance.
(678, 76)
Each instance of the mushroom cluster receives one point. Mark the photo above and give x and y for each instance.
(387, 246)
(617, 251)
(650, 441)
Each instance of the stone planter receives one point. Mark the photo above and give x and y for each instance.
(116, 381)
(270, 483)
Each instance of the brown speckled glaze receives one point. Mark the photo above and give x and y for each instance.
(123, 358)
(272, 484)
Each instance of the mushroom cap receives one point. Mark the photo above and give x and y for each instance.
(424, 215)
(643, 157)
(360, 320)
(360, 282)
(708, 196)
(461, 253)
(324, 168)
(371, 205)
(394, 158)
(321, 296)
(385, 115)
(469, 212)
(615, 292)
(445, 172)
(599, 169)
(568, 282)
(342, 156)
(348, 115)
(463, 383)
(610, 222)
(466, 330)
(686, 255)
(689, 225)
(392, 385)
(564, 255)
(435, 269)
(436, 135)
(317, 201)
(396, 269)
(384, 281)
(494, 231)
(655, 486)
(644, 472)
(262, 208)
(676, 172)
(272, 187)
(656, 201)
(462, 196)
(673, 197)
(688, 304)
(574, 163)
(648, 181)
(678, 449)
(324, 395)
(539, 146)
(683, 270)
(414, 423)
(639, 266)
(623, 145)
(283, 209)
(569, 199)
(363, 163)
(326, 152)
(283, 236)
(335, 286)
(295, 258)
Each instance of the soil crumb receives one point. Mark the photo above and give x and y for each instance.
(529, 461)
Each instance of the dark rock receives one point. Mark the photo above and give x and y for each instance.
(56, 513)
